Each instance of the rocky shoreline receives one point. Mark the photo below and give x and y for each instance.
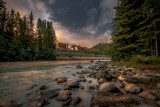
(117, 87)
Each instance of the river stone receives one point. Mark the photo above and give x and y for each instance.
(81, 72)
(81, 76)
(148, 95)
(63, 97)
(75, 100)
(122, 78)
(39, 103)
(107, 99)
(79, 67)
(65, 92)
(108, 86)
(132, 88)
(61, 79)
(73, 84)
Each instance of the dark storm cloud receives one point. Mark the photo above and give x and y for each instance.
(83, 22)
(79, 14)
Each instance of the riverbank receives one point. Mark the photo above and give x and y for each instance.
(61, 58)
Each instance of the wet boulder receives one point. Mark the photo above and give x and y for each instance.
(39, 103)
(61, 79)
(108, 87)
(75, 100)
(132, 88)
(148, 95)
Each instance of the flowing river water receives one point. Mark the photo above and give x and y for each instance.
(17, 78)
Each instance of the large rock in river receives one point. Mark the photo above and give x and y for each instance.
(148, 95)
(132, 88)
(106, 99)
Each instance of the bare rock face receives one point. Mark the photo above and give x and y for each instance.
(148, 95)
(61, 79)
(132, 88)
(38, 103)
(75, 100)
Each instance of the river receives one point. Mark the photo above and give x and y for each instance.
(16, 79)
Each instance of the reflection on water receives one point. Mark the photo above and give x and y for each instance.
(16, 85)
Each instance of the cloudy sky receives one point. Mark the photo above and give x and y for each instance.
(81, 22)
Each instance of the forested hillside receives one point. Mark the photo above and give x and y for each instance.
(21, 40)
(136, 35)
